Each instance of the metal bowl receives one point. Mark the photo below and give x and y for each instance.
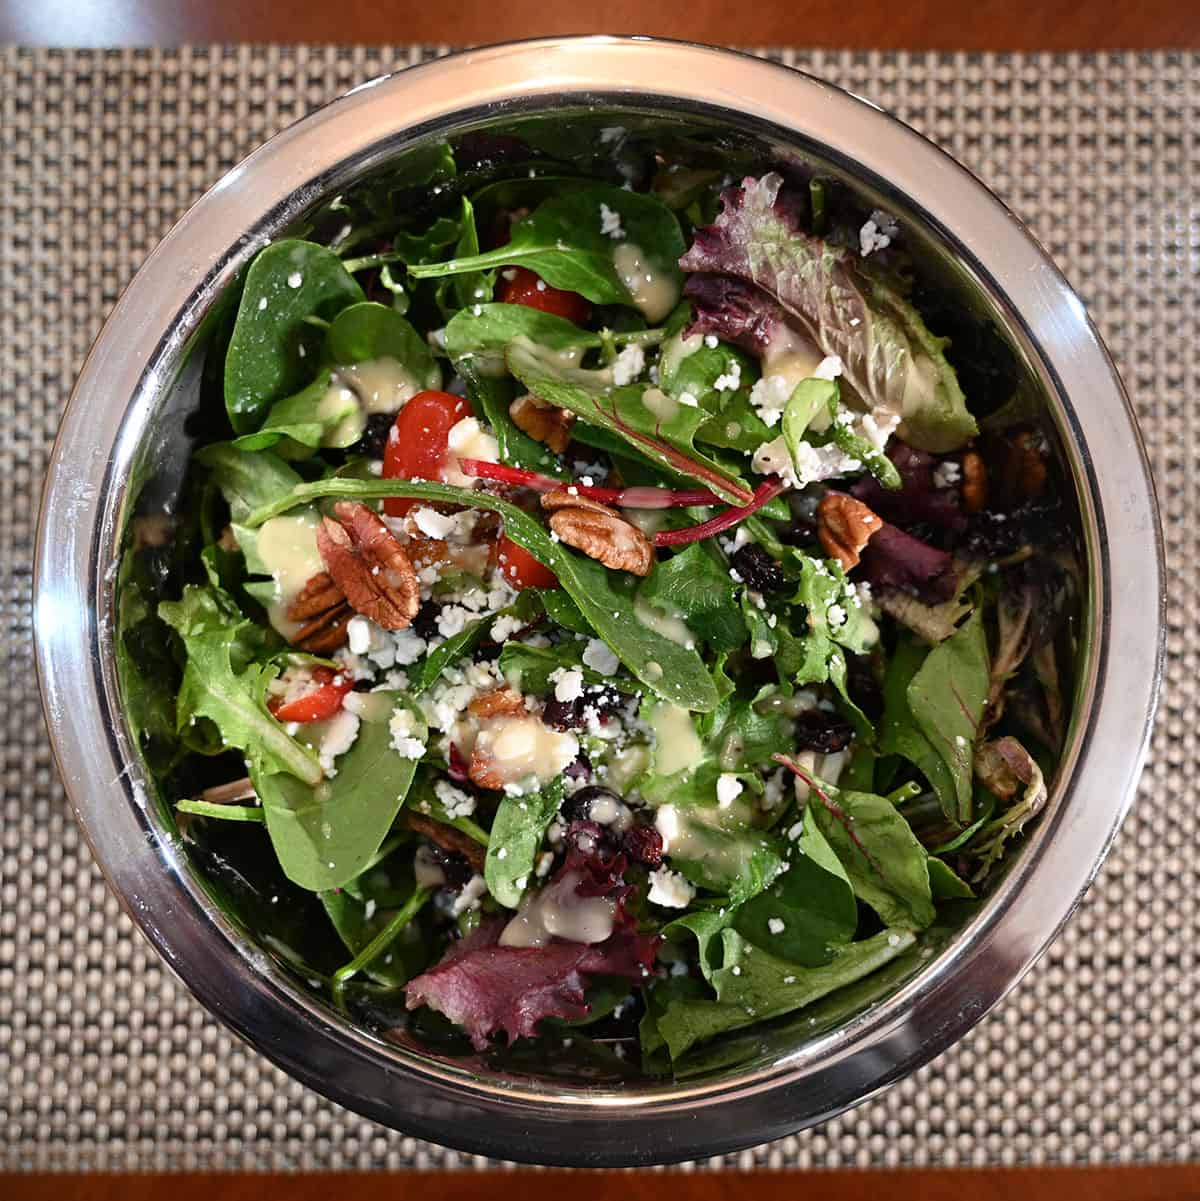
(122, 441)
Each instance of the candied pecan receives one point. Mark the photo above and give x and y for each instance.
(482, 770)
(600, 532)
(500, 702)
(322, 613)
(974, 482)
(1029, 463)
(542, 422)
(844, 527)
(448, 838)
(369, 566)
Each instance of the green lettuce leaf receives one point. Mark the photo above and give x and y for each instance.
(515, 840)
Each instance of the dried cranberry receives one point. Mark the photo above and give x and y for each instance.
(457, 766)
(863, 685)
(454, 866)
(758, 569)
(578, 806)
(425, 622)
(563, 715)
(822, 732)
(643, 844)
(375, 435)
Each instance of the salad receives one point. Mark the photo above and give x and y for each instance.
(605, 609)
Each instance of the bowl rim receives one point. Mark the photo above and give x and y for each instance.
(133, 362)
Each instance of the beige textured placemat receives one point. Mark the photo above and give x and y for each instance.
(105, 1060)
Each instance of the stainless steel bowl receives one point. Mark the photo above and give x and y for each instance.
(122, 440)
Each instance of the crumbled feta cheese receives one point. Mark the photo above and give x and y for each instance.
(877, 427)
(835, 615)
(472, 893)
(688, 400)
(628, 365)
(457, 803)
(503, 628)
(599, 656)
(769, 397)
(670, 889)
(408, 645)
(947, 474)
(568, 684)
(830, 367)
(812, 462)
(358, 635)
(776, 925)
(610, 222)
(877, 232)
(337, 737)
(403, 728)
(432, 523)
(452, 619)
(773, 787)
(711, 341)
(731, 380)
(729, 788)
(262, 303)
(295, 279)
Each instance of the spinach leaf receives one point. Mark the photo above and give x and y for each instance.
(945, 883)
(562, 240)
(528, 668)
(694, 587)
(471, 287)
(373, 331)
(606, 598)
(516, 837)
(809, 911)
(317, 415)
(477, 337)
(738, 861)
(946, 698)
(247, 479)
(885, 863)
(753, 985)
(652, 423)
(658, 999)
(273, 345)
(563, 611)
(326, 833)
(223, 683)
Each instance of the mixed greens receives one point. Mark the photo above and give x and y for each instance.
(599, 613)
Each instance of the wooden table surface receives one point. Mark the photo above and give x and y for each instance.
(886, 24)
(883, 24)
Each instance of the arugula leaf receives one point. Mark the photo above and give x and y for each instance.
(516, 837)
(606, 598)
(885, 863)
(754, 985)
(946, 699)
(462, 643)
(694, 587)
(899, 733)
(492, 398)
(326, 833)
(223, 683)
(562, 241)
(654, 424)
(273, 345)
(810, 397)
(889, 357)
(247, 479)
(563, 611)
(813, 900)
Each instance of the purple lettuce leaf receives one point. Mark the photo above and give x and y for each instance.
(890, 360)
(918, 498)
(896, 561)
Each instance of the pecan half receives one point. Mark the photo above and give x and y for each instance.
(600, 532)
(844, 527)
(323, 615)
(500, 702)
(482, 770)
(369, 566)
(448, 838)
(974, 482)
(542, 422)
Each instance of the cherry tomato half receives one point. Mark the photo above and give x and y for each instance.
(520, 569)
(416, 447)
(318, 704)
(527, 289)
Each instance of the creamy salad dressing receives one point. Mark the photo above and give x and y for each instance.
(558, 912)
(341, 406)
(677, 745)
(669, 625)
(524, 752)
(663, 407)
(287, 547)
(382, 385)
(675, 349)
(652, 292)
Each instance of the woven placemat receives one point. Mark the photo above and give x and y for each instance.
(106, 1062)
